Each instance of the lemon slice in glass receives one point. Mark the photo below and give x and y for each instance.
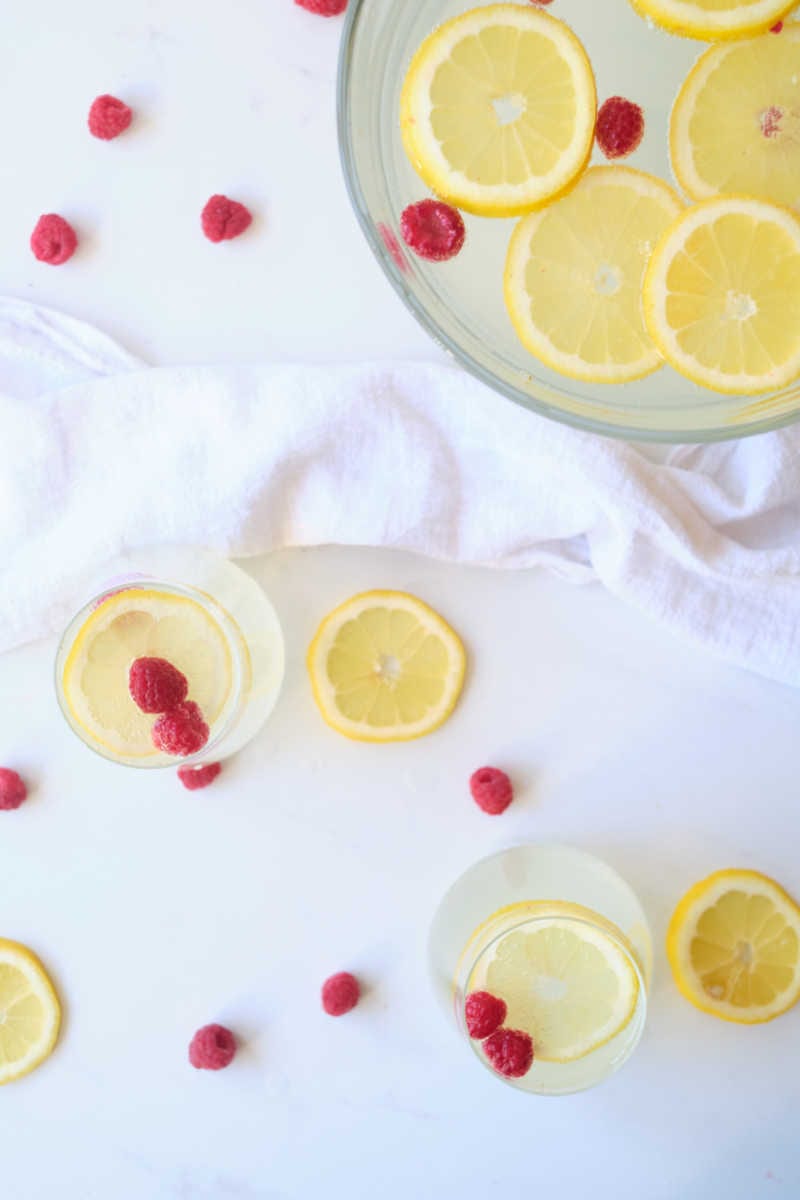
(566, 977)
(498, 109)
(735, 126)
(711, 19)
(130, 624)
(574, 275)
(385, 667)
(734, 947)
(722, 295)
(30, 1015)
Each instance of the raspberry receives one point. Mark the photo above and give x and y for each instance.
(181, 731)
(620, 127)
(323, 8)
(491, 790)
(109, 117)
(484, 1013)
(12, 789)
(195, 778)
(340, 994)
(223, 219)
(212, 1048)
(156, 686)
(510, 1052)
(53, 240)
(433, 230)
(777, 27)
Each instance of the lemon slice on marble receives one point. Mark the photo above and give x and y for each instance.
(30, 1014)
(385, 667)
(734, 947)
(498, 109)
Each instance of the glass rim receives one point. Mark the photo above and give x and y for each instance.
(617, 430)
(221, 617)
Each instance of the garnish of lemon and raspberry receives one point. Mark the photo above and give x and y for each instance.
(156, 686)
(151, 628)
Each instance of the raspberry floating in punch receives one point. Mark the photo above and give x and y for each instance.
(433, 230)
(620, 127)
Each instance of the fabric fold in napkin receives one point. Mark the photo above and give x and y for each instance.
(98, 453)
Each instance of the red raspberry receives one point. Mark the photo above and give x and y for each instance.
(194, 778)
(433, 230)
(12, 790)
(53, 240)
(620, 127)
(484, 1013)
(323, 8)
(181, 731)
(109, 117)
(491, 790)
(223, 219)
(510, 1052)
(777, 27)
(340, 994)
(156, 686)
(212, 1048)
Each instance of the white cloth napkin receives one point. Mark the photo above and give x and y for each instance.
(98, 454)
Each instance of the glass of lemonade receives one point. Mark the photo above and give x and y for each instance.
(203, 615)
(561, 940)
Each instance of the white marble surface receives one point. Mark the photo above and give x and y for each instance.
(158, 910)
(236, 98)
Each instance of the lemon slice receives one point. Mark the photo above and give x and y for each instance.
(735, 126)
(734, 947)
(712, 19)
(567, 978)
(385, 667)
(722, 295)
(130, 624)
(574, 275)
(30, 1014)
(498, 109)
